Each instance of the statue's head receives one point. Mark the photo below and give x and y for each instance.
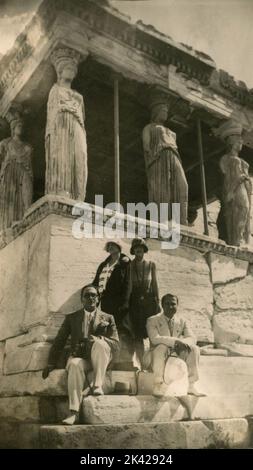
(158, 103)
(67, 71)
(234, 143)
(65, 61)
(17, 126)
(159, 113)
(231, 133)
(14, 117)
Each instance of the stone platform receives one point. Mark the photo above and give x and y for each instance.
(221, 433)
(51, 266)
(219, 375)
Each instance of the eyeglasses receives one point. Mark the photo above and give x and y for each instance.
(90, 295)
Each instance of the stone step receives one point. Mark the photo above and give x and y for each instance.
(33, 409)
(31, 383)
(124, 409)
(218, 375)
(229, 433)
(222, 433)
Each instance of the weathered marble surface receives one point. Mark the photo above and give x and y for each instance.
(218, 376)
(225, 269)
(233, 319)
(31, 409)
(126, 409)
(13, 283)
(19, 435)
(186, 435)
(2, 348)
(184, 272)
(31, 383)
(23, 280)
(233, 433)
(28, 358)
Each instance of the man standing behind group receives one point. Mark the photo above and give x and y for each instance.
(169, 333)
(94, 341)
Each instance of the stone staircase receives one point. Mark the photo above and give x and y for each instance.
(219, 420)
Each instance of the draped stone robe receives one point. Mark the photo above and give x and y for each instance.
(66, 147)
(16, 180)
(236, 199)
(166, 178)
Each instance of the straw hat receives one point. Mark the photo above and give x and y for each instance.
(138, 242)
(113, 242)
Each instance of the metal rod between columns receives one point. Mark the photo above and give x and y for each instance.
(202, 177)
(116, 142)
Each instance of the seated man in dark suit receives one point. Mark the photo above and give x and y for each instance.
(94, 341)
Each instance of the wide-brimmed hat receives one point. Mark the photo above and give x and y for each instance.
(113, 242)
(137, 242)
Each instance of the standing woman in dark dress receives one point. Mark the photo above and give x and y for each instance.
(143, 293)
(112, 279)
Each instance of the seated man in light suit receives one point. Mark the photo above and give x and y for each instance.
(94, 342)
(169, 333)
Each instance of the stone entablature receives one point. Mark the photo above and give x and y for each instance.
(63, 206)
(153, 44)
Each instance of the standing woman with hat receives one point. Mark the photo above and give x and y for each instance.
(112, 280)
(143, 293)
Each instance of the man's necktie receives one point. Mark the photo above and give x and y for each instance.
(90, 324)
(171, 327)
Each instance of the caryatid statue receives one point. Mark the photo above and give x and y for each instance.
(16, 175)
(237, 187)
(165, 174)
(66, 146)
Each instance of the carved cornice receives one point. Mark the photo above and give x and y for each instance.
(234, 89)
(143, 38)
(55, 205)
(13, 62)
(158, 47)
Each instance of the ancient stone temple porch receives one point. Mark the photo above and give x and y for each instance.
(44, 266)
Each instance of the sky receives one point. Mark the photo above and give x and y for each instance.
(220, 28)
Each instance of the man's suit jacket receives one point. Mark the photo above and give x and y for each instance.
(159, 332)
(103, 325)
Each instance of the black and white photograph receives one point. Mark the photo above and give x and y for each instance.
(126, 231)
